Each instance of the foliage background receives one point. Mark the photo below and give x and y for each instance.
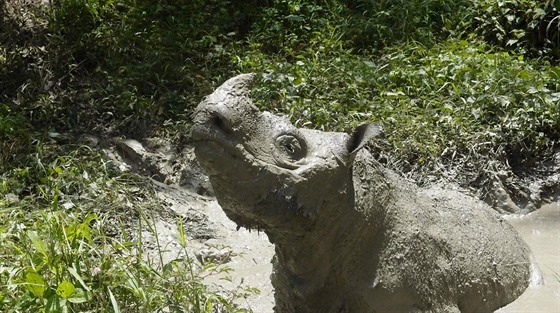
(436, 73)
(456, 85)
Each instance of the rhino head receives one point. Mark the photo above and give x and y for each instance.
(268, 174)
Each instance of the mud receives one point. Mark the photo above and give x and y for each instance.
(541, 230)
(185, 193)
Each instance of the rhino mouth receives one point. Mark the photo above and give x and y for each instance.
(215, 139)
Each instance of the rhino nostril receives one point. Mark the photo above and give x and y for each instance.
(222, 123)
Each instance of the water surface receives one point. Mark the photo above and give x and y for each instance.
(541, 230)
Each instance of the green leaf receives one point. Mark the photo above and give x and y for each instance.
(79, 296)
(539, 13)
(35, 282)
(74, 272)
(55, 304)
(84, 229)
(295, 18)
(39, 244)
(182, 237)
(114, 302)
(65, 289)
(511, 42)
(209, 305)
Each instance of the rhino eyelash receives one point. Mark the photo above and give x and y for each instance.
(290, 148)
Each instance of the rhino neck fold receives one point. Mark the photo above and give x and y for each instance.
(308, 261)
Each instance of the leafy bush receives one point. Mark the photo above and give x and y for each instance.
(11, 124)
(467, 95)
(528, 26)
(71, 233)
(134, 65)
(451, 96)
(14, 135)
(377, 24)
(88, 63)
(288, 26)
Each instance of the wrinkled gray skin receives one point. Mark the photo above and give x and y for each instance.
(350, 235)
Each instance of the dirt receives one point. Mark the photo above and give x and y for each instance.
(213, 237)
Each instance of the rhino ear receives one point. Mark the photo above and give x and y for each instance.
(361, 136)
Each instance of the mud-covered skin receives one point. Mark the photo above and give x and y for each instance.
(350, 235)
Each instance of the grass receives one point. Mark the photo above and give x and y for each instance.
(447, 97)
(71, 233)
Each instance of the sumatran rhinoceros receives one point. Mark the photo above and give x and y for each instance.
(350, 235)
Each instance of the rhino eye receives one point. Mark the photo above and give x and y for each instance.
(291, 146)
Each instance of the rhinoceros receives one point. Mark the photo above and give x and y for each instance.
(351, 235)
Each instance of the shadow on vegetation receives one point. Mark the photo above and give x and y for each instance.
(421, 68)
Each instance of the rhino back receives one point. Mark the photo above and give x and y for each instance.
(434, 245)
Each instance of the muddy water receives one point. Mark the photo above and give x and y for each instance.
(541, 230)
(250, 262)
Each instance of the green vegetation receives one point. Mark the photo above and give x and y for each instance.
(428, 99)
(67, 247)
(472, 79)
(438, 74)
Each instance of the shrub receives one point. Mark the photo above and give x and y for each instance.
(377, 24)
(451, 96)
(72, 234)
(527, 26)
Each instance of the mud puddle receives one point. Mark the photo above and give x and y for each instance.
(541, 230)
(250, 261)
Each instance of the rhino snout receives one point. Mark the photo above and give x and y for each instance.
(221, 123)
(209, 119)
